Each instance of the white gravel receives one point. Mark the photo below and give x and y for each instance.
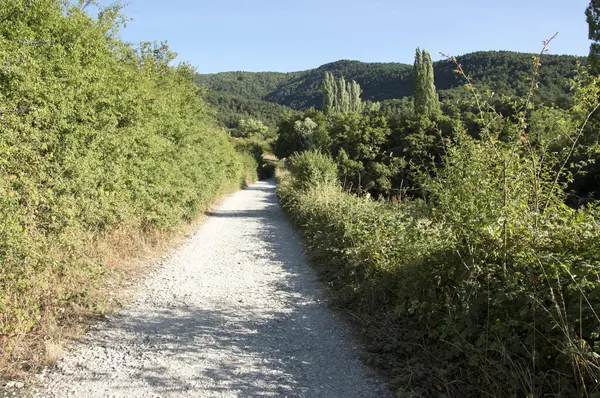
(235, 312)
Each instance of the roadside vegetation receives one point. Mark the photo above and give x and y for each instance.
(463, 236)
(102, 144)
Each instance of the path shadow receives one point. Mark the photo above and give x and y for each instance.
(267, 185)
(186, 336)
(236, 214)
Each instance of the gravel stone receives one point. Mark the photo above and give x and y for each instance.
(235, 312)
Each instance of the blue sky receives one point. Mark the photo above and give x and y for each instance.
(292, 35)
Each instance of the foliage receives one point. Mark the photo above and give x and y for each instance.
(95, 135)
(357, 143)
(312, 168)
(246, 85)
(592, 14)
(501, 72)
(256, 148)
(487, 285)
(252, 128)
(302, 132)
(339, 96)
(584, 182)
(230, 109)
(425, 98)
(240, 95)
(377, 80)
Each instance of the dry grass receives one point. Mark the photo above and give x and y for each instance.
(53, 350)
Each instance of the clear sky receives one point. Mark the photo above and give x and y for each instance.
(292, 35)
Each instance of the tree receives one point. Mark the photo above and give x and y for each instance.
(298, 133)
(344, 97)
(329, 92)
(96, 135)
(592, 14)
(358, 142)
(418, 77)
(355, 101)
(248, 128)
(340, 96)
(432, 99)
(305, 130)
(425, 96)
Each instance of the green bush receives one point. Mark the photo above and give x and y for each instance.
(257, 149)
(312, 168)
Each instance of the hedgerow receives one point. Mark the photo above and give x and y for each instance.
(95, 135)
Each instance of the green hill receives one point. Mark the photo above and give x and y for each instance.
(232, 108)
(503, 72)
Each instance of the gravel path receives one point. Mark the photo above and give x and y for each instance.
(235, 312)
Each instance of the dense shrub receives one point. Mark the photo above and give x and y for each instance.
(257, 149)
(301, 132)
(95, 135)
(488, 286)
(310, 168)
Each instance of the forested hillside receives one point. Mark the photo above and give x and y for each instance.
(231, 109)
(503, 72)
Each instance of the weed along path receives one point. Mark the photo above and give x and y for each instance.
(235, 312)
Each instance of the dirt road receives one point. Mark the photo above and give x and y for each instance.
(235, 312)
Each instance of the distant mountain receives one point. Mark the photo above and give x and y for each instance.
(503, 72)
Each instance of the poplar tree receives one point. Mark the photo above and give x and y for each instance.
(344, 97)
(418, 78)
(425, 97)
(329, 93)
(340, 96)
(355, 101)
(592, 14)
